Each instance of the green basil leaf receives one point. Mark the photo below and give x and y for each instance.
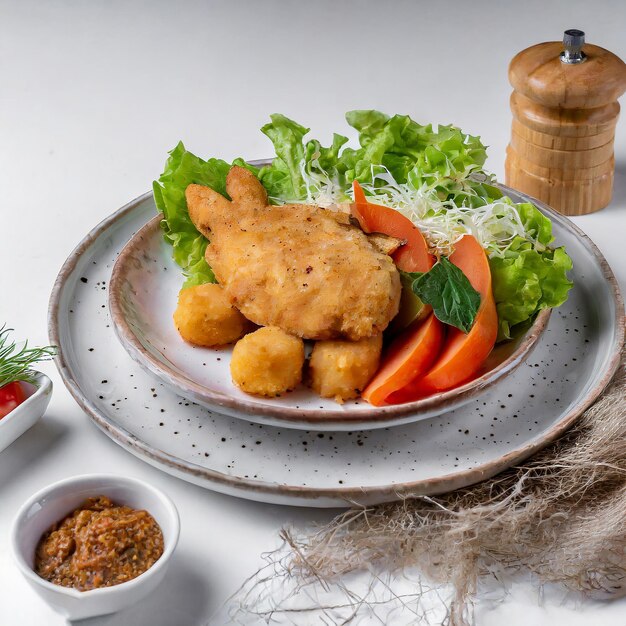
(449, 292)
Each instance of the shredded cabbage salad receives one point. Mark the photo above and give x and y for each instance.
(435, 177)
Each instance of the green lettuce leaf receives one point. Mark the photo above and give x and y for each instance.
(525, 281)
(537, 225)
(300, 168)
(283, 178)
(188, 245)
(441, 160)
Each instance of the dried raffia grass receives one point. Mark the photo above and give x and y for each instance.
(561, 515)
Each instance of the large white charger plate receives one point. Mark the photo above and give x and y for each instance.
(571, 365)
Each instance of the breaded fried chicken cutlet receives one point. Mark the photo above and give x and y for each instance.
(294, 266)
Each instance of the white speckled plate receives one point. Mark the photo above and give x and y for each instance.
(571, 365)
(143, 291)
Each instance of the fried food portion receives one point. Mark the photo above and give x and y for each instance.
(267, 362)
(342, 369)
(294, 266)
(205, 317)
(385, 243)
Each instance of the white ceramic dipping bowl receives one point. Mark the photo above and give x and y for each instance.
(54, 502)
(25, 415)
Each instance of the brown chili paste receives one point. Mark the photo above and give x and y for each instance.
(99, 544)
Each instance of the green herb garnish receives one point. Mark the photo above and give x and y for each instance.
(16, 362)
(446, 288)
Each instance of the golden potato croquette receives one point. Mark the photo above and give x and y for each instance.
(267, 362)
(205, 317)
(341, 369)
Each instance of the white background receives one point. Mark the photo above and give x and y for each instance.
(93, 94)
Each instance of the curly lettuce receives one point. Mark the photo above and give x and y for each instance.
(529, 277)
(183, 168)
(292, 174)
(414, 153)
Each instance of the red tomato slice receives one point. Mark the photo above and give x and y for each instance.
(11, 396)
(409, 357)
(413, 256)
(462, 354)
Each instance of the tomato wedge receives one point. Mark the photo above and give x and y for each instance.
(409, 356)
(413, 352)
(413, 256)
(462, 354)
(11, 396)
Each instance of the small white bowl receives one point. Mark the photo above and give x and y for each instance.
(54, 502)
(25, 415)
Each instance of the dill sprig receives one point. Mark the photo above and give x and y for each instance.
(16, 362)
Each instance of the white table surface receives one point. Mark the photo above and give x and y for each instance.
(93, 94)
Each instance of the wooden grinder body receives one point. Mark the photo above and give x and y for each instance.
(563, 130)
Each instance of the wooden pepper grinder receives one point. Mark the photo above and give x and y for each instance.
(565, 109)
